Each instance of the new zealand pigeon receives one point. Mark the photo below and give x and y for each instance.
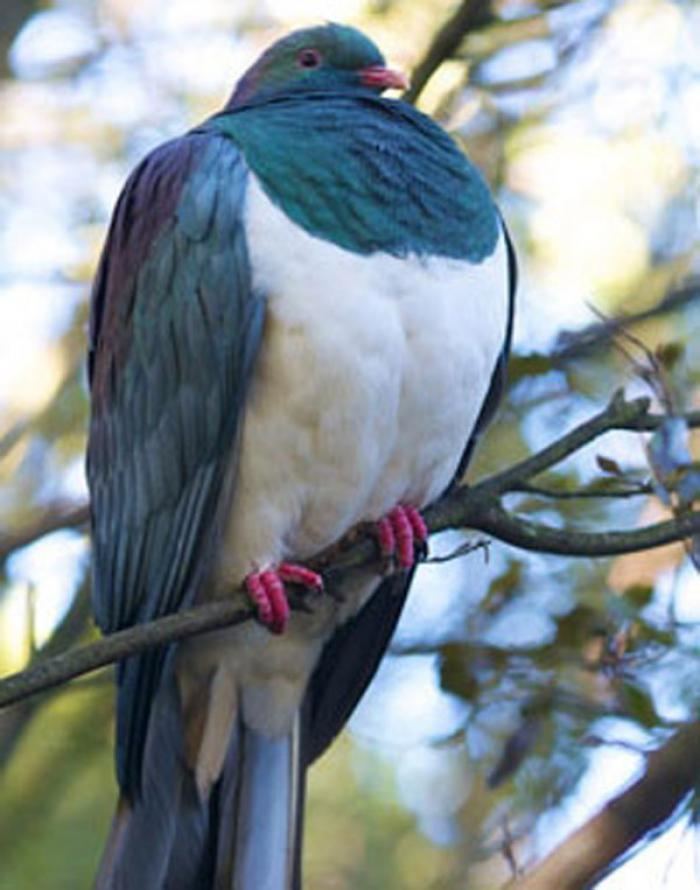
(300, 324)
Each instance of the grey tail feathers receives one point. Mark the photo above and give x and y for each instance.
(245, 836)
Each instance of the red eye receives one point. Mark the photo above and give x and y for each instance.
(309, 58)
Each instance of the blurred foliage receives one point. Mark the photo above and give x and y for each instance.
(583, 115)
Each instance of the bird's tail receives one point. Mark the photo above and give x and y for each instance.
(245, 834)
(260, 814)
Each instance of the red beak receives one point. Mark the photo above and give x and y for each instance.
(379, 77)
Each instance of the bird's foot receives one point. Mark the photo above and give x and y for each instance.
(403, 536)
(267, 590)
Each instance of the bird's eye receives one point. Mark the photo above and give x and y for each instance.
(309, 58)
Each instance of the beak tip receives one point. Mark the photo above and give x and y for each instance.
(382, 78)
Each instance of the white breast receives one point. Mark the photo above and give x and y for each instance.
(372, 373)
(371, 377)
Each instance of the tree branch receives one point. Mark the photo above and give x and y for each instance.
(54, 519)
(529, 535)
(571, 344)
(671, 773)
(592, 493)
(75, 662)
(13, 721)
(618, 415)
(478, 508)
(469, 14)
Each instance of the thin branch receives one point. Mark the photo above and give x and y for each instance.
(671, 773)
(470, 14)
(478, 508)
(593, 493)
(54, 519)
(13, 721)
(529, 535)
(571, 344)
(54, 671)
(620, 414)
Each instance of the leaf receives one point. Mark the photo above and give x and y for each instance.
(532, 365)
(579, 625)
(608, 465)
(639, 595)
(639, 704)
(669, 354)
(456, 675)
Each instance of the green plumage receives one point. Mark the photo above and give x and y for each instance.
(168, 391)
(369, 174)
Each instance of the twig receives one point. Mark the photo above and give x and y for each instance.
(478, 508)
(671, 773)
(620, 414)
(82, 660)
(529, 535)
(463, 550)
(13, 721)
(540, 491)
(469, 14)
(571, 344)
(54, 519)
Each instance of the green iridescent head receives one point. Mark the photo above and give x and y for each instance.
(327, 58)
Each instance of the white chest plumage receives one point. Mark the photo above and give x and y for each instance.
(371, 377)
(372, 373)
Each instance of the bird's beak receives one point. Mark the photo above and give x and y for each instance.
(381, 78)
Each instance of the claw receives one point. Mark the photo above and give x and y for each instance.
(267, 592)
(291, 573)
(402, 535)
(420, 531)
(386, 538)
(403, 530)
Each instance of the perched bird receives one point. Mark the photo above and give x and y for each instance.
(300, 324)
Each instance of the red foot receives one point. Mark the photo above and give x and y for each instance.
(402, 534)
(267, 591)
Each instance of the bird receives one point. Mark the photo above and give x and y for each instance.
(300, 324)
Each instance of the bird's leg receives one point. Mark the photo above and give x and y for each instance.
(403, 536)
(269, 596)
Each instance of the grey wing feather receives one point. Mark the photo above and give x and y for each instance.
(176, 328)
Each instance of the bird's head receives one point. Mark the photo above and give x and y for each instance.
(327, 58)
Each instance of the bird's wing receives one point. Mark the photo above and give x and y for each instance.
(351, 657)
(175, 329)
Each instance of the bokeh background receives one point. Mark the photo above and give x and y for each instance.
(585, 117)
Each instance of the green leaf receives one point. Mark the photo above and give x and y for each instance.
(608, 465)
(456, 675)
(639, 705)
(639, 595)
(669, 354)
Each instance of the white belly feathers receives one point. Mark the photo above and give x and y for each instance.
(372, 374)
(371, 377)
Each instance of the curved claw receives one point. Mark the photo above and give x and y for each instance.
(267, 591)
(269, 597)
(403, 536)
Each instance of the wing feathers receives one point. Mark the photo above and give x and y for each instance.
(175, 331)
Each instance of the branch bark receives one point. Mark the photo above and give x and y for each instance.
(76, 662)
(479, 508)
(73, 625)
(54, 519)
(470, 14)
(571, 344)
(671, 773)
